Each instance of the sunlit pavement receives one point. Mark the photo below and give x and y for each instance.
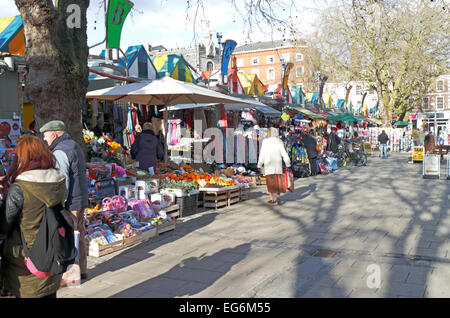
(375, 231)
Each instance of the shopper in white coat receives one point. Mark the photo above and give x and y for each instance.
(271, 158)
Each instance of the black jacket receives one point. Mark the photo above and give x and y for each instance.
(311, 146)
(147, 149)
(77, 198)
(333, 142)
(383, 138)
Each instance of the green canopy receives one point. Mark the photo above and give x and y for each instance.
(345, 117)
(401, 123)
(307, 112)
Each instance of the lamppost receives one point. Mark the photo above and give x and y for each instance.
(283, 70)
(219, 42)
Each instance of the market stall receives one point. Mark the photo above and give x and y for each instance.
(129, 206)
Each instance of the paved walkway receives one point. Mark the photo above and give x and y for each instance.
(375, 231)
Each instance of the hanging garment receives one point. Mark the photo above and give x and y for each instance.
(106, 105)
(189, 119)
(95, 107)
(157, 125)
(249, 115)
(174, 132)
(223, 123)
(178, 130)
(169, 132)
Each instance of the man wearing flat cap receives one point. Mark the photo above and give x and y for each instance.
(71, 163)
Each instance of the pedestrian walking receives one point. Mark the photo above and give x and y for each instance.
(71, 163)
(31, 185)
(383, 140)
(310, 144)
(271, 160)
(147, 148)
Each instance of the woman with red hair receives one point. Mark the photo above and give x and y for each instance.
(32, 183)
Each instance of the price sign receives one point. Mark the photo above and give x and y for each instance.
(431, 166)
(202, 183)
(418, 153)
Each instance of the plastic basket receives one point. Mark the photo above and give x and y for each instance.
(188, 204)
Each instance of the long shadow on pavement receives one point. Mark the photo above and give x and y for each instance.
(190, 277)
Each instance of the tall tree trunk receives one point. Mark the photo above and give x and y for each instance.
(56, 56)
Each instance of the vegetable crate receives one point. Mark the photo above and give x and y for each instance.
(215, 199)
(188, 204)
(173, 211)
(234, 196)
(244, 193)
(201, 200)
(165, 227)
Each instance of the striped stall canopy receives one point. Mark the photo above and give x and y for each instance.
(175, 65)
(12, 38)
(252, 84)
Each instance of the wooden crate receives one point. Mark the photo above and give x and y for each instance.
(149, 234)
(234, 196)
(97, 250)
(165, 227)
(200, 202)
(133, 240)
(244, 193)
(173, 211)
(215, 199)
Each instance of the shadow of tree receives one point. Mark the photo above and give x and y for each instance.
(190, 277)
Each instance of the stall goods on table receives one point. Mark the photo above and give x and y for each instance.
(115, 224)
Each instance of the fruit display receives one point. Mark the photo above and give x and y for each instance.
(197, 177)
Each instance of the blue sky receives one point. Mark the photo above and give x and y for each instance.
(170, 22)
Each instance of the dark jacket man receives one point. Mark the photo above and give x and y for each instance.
(71, 163)
(333, 142)
(147, 149)
(311, 148)
(383, 138)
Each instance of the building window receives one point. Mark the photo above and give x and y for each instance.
(439, 102)
(285, 57)
(358, 90)
(271, 73)
(299, 57)
(239, 62)
(255, 61)
(440, 85)
(299, 71)
(209, 66)
(270, 59)
(142, 69)
(255, 71)
(425, 103)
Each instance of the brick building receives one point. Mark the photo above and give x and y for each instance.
(435, 107)
(265, 59)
